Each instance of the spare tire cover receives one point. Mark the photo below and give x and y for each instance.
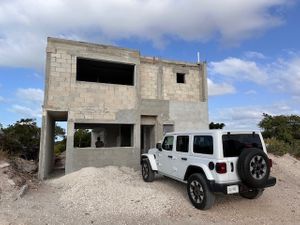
(253, 167)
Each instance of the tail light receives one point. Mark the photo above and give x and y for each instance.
(270, 163)
(221, 167)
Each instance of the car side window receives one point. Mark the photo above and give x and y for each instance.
(182, 144)
(203, 144)
(168, 143)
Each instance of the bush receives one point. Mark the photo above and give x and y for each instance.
(278, 147)
(21, 139)
(59, 147)
(296, 148)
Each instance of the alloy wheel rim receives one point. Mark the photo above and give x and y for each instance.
(258, 167)
(196, 191)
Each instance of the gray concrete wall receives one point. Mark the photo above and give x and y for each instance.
(100, 157)
(189, 115)
(155, 93)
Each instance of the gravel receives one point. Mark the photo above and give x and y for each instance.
(114, 195)
(112, 191)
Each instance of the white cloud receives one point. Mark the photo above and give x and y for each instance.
(239, 70)
(248, 117)
(219, 89)
(254, 55)
(26, 111)
(281, 75)
(25, 24)
(31, 94)
(286, 75)
(28, 102)
(1, 99)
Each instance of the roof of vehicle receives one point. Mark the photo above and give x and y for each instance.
(213, 131)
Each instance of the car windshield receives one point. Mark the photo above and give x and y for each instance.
(233, 144)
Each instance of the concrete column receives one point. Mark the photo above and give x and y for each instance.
(70, 146)
(46, 146)
(42, 157)
(204, 83)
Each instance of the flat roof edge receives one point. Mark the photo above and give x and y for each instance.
(84, 43)
(147, 59)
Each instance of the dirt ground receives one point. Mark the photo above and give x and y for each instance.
(91, 196)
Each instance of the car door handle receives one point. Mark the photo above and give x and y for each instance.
(169, 156)
(231, 164)
(184, 158)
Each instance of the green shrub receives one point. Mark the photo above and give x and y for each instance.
(278, 147)
(59, 147)
(296, 148)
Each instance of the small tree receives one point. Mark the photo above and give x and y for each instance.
(282, 133)
(22, 139)
(59, 145)
(82, 138)
(283, 127)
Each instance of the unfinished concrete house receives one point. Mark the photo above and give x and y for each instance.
(123, 101)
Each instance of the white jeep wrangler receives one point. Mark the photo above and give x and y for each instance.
(212, 161)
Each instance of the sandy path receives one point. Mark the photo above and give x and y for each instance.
(90, 196)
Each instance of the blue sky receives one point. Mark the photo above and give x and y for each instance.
(252, 48)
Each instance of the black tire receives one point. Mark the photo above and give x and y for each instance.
(199, 193)
(253, 167)
(147, 172)
(252, 194)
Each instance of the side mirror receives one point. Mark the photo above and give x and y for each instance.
(158, 146)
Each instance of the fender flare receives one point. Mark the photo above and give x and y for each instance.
(202, 167)
(151, 159)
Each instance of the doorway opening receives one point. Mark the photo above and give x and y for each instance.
(147, 138)
(148, 124)
(53, 138)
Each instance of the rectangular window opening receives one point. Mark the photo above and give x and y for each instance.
(168, 143)
(104, 72)
(180, 78)
(203, 145)
(233, 144)
(182, 144)
(103, 135)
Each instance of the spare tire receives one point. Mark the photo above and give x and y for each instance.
(253, 167)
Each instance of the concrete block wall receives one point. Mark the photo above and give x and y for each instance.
(149, 80)
(188, 91)
(155, 93)
(86, 100)
(159, 80)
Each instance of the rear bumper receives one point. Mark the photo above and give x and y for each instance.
(216, 187)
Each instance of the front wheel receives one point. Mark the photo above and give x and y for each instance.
(252, 194)
(199, 193)
(147, 172)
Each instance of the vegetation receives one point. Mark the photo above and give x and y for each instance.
(213, 125)
(22, 139)
(282, 133)
(82, 138)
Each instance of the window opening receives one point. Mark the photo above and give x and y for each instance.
(104, 72)
(180, 78)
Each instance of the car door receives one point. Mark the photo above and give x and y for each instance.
(165, 156)
(181, 156)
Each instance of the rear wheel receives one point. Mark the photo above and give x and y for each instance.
(147, 172)
(199, 193)
(252, 194)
